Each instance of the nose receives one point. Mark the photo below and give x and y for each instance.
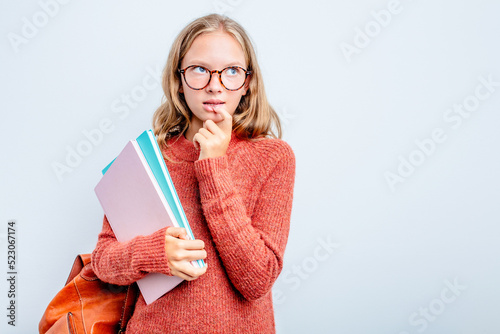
(214, 85)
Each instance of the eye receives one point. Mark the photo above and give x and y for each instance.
(232, 71)
(199, 70)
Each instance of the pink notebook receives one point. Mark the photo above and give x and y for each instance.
(134, 205)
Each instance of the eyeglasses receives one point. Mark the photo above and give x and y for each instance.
(198, 77)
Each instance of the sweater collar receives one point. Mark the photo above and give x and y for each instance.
(184, 149)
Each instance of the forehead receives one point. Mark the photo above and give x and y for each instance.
(215, 49)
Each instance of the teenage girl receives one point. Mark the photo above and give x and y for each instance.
(235, 180)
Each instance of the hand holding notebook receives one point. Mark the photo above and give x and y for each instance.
(139, 198)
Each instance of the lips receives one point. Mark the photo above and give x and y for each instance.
(213, 103)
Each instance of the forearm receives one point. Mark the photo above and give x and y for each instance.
(251, 245)
(252, 259)
(124, 263)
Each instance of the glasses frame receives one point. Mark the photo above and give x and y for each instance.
(219, 72)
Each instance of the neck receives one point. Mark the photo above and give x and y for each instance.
(193, 129)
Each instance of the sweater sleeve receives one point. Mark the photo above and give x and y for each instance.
(123, 263)
(250, 244)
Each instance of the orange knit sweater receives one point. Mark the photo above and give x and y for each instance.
(240, 206)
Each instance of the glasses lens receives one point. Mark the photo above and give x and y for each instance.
(233, 77)
(197, 77)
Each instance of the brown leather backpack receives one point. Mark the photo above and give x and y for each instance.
(87, 305)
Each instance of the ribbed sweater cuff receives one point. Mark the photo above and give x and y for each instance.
(213, 176)
(149, 253)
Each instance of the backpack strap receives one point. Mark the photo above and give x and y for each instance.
(129, 305)
(80, 262)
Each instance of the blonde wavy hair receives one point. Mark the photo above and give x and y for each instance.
(254, 117)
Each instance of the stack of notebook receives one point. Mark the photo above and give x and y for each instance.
(139, 198)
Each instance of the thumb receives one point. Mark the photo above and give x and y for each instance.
(196, 141)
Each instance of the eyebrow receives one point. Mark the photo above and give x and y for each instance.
(204, 64)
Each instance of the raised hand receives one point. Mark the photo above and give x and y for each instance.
(213, 138)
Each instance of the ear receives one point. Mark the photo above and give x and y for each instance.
(181, 88)
(247, 85)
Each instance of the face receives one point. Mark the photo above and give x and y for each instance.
(214, 51)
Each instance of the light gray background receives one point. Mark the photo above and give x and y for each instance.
(362, 257)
